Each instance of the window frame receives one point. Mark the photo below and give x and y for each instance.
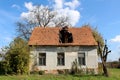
(61, 59)
(42, 56)
(82, 59)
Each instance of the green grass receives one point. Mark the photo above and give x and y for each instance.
(114, 75)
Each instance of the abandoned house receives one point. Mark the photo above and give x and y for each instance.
(56, 48)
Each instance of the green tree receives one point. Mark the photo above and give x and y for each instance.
(17, 56)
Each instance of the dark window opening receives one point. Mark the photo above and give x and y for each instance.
(65, 36)
(42, 59)
(60, 59)
(81, 58)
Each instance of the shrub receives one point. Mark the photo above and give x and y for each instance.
(74, 68)
(118, 66)
(66, 71)
(60, 71)
(100, 69)
(41, 72)
(81, 71)
(34, 72)
(90, 71)
(17, 57)
(4, 68)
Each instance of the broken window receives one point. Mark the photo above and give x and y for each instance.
(65, 36)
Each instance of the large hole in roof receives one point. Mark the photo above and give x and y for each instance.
(65, 36)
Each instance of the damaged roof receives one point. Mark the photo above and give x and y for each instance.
(49, 36)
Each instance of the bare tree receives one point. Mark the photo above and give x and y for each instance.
(41, 16)
(61, 21)
(103, 55)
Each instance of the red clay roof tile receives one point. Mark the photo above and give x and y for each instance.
(49, 36)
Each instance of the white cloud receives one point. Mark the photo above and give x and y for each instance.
(68, 9)
(58, 4)
(73, 15)
(25, 15)
(62, 7)
(73, 4)
(29, 6)
(16, 6)
(116, 39)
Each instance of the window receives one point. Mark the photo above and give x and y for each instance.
(81, 58)
(60, 59)
(42, 59)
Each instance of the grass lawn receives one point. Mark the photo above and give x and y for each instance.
(114, 75)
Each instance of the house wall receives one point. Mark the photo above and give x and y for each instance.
(71, 53)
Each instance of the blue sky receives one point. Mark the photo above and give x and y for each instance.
(103, 14)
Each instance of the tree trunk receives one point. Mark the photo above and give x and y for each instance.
(103, 54)
(105, 69)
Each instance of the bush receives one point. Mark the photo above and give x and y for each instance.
(75, 67)
(100, 69)
(66, 71)
(34, 72)
(63, 71)
(41, 72)
(90, 71)
(60, 71)
(118, 66)
(3, 67)
(17, 57)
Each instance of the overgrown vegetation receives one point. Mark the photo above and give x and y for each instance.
(75, 67)
(16, 60)
(114, 75)
(78, 70)
(3, 67)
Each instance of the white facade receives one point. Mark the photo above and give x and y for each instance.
(70, 54)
